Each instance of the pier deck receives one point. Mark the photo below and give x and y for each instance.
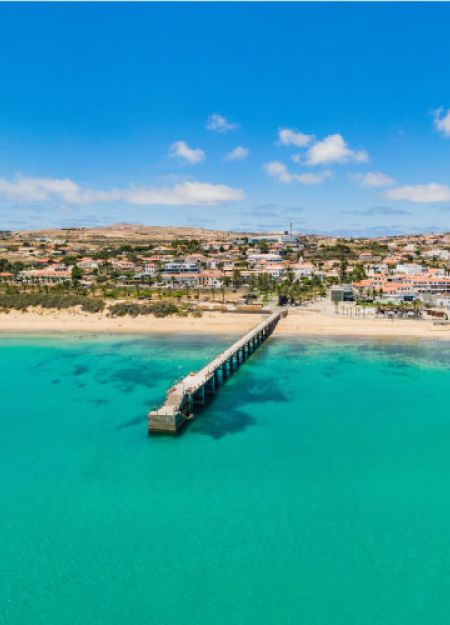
(187, 397)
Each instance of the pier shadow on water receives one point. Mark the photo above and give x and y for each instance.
(223, 414)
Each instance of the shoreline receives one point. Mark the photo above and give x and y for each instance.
(77, 322)
(299, 323)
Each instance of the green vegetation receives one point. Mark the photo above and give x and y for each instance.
(300, 291)
(77, 274)
(158, 309)
(22, 301)
(5, 265)
(186, 246)
(331, 252)
(358, 273)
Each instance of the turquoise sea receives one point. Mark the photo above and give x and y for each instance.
(314, 490)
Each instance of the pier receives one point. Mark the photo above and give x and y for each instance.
(186, 398)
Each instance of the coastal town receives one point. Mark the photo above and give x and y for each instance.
(195, 270)
(224, 313)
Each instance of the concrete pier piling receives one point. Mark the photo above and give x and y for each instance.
(186, 398)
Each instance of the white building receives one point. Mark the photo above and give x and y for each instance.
(289, 238)
(180, 267)
(410, 269)
(304, 270)
(150, 270)
(253, 259)
(438, 254)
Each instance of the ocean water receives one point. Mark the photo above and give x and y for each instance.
(314, 490)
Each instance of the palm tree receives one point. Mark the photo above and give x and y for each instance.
(289, 276)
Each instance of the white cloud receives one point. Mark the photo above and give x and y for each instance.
(287, 136)
(373, 179)
(442, 121)
(280, 172)
(181, 150)
(219, 123)
(186, 193)
(309, 178)
(37, 189)
(238, 154)
(333, 149)
(420, 193)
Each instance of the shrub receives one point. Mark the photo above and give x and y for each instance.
(163, 309)
(158, 309)
(22, 301)
(128, 308)
(92, 305)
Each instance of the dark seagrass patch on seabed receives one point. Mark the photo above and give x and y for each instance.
(80, 369)
(99, 402)
(128, 378)
(132, 422)
(218, 424)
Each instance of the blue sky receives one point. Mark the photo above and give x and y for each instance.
(243, 116)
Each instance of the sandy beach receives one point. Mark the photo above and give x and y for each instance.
(298, 322)
(311, 323)
(75, 321)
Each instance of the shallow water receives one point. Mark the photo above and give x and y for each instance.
(313, 490)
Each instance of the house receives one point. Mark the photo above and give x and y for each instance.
(122, 264)
(271, 269)
(177, 267)
(303, 270)
(253, 259)
(87, 264)
(400, 284)
(53, 273)
(211, 278)
(185, 279)
(410, 269)
(438, 254)
(150, 270)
